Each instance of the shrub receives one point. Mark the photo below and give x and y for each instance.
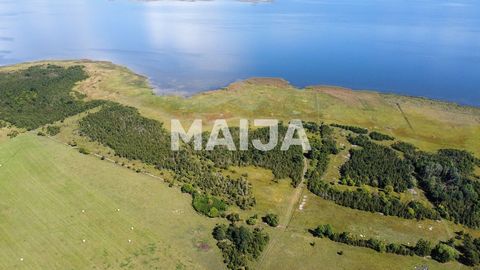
(53, 130)
(423, 248)
(374, 135)
(208, 205)
(271, 220)
(444, 253)
(252, 220)
(188, 188)
(83, 151)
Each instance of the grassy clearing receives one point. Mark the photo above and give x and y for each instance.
(271, 196)
(294, 251)
(53, 198)
(291, 249)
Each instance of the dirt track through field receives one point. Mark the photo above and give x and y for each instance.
(404, 116)
(286, 217)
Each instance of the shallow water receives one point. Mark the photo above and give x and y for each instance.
(423, 47)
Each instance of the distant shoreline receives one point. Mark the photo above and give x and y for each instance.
(249, 80)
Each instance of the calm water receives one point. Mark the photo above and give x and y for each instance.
(416, 47)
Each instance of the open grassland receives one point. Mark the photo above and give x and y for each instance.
(53, 198)
(271, 196)
(290, 247)
(295, 251)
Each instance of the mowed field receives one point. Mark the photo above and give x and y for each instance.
(60, 209)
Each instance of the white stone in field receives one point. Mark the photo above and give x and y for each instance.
(131, 228)
(84, 240)
(21, 259)
(118, 210)
(129, 241)
(83, 211)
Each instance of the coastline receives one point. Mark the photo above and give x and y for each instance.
(282, 81)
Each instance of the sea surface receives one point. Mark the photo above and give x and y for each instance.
(425, 48)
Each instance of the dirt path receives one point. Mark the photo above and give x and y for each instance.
(286, 218)
(404, 116)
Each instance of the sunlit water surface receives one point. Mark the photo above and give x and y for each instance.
(423, 47)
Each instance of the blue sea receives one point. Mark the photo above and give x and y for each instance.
(427, 48)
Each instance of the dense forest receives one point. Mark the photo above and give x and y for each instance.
(138, 138)
(240, 244)
(377, 165)
(449, 182)
(282, 163)
(41, 94)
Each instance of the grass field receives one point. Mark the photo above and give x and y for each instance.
(45, 185)
(290, 248)
(53, 198)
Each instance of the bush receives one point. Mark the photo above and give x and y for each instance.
(188, 188)
(271, 220)
(444, 253)
(13, 134)
(380, 136)
(404, 147)
(239, 244)
(252, 220)
(354, 129)
(83, 151)
(208, 205)
(423, 248)
(53, 130)
(233, 217)
(323, 231)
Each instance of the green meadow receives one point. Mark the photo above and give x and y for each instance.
(64, 210)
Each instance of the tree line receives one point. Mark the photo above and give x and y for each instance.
(364, 200)
(463, 248)
(353, 129)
